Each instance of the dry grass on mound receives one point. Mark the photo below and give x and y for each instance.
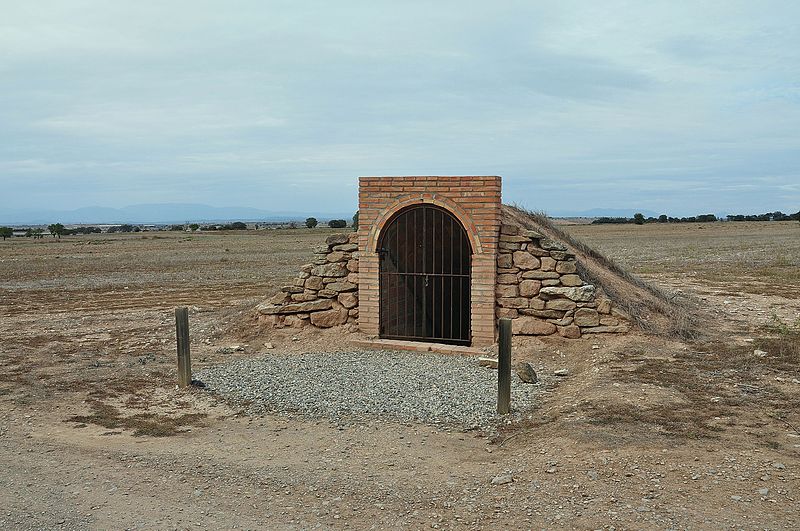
(650, 308)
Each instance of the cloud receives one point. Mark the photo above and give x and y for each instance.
(609, 104)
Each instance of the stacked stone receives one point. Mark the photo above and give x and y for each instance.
(540, 289)
(325, 294)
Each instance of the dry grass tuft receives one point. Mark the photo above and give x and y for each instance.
(150, 424)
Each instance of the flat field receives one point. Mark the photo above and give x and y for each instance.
(644, 432)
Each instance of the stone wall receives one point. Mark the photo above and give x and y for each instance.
(325, 293)
(538, 285)
(540, 288)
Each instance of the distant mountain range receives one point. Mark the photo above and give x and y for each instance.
(158, 213)
(605, 213)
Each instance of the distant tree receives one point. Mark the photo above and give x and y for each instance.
(176, 228)
(238, 225)
(662, 218)
(6, 232)
(56, 229)
(311, 222)
(706, 218)
(355, 221)
(638, 218)
(193, 227)
(337, 223)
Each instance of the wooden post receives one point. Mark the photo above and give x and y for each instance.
(504, 369)
(184, 358)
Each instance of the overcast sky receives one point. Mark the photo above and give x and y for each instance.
(673, 107)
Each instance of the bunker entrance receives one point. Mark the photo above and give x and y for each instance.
(424, 275)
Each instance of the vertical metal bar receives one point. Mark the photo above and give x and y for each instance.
(424, 270)
(416, 268)
(396, 301)
(184, 356)
(504, 369)
(441, 278)
(409, 269)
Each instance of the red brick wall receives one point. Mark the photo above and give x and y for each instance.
(475, 201)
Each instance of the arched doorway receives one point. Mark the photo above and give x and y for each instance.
(425, 261)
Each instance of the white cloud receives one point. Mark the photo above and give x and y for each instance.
(618, 100)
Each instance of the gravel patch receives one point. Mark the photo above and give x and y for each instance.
(442, 390)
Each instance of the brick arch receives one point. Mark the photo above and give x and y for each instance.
(415, 199)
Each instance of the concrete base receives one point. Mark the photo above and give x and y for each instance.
(417, 346)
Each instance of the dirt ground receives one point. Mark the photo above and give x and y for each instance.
(644, 432)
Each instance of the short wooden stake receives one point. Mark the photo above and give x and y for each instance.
(184, 357)
(504, 369)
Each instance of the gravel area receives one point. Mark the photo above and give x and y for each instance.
(442, 390)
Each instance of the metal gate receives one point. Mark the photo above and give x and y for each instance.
(425, 260)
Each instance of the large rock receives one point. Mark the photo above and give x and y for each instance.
(330, 270)
(529, 288)
(544, 314)
(314, 283)
(525, 260)
(540, 275)
(337, 256)
(565, 268)
(570, 332)
(341, 286)
(571, 280)
(551, 245)
(587, 317)
(347, 247)
(512, 302)
(504, 260)
(513, 239)
(337, 239)
(305, 296)
(329, 318)
(536, 304)
(507, 278)
(604, 306)
(548, 264)
(297, 307)
(531, 326)
(577, 294)
(506, 290)
(348, 300)
(560, 304)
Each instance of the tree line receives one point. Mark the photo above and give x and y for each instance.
(57, 230)
(640, 219)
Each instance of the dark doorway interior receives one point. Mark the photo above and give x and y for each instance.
(425, 259)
